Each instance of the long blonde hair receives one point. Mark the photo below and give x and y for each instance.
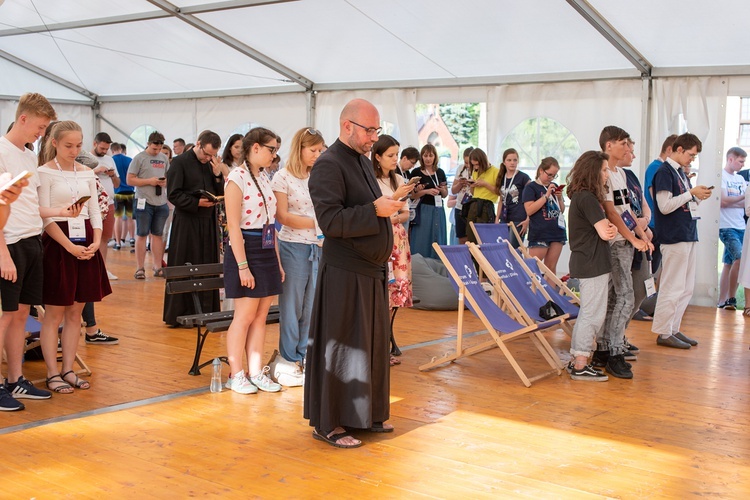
(57, 131)
(304, 138)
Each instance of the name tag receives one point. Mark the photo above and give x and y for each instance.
(438, 201)
(693, 206)
(77, 230)
(141, 205)
(268, 239)
(561, 221)
(629, 220)
(650, 287)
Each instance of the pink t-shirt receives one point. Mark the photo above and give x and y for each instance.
(298, 203)
(253, 212)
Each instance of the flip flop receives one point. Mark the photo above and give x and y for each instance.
(380, 427)
(395, 361)
(79, 383)
(332, 440)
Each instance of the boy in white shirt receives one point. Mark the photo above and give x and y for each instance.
(21, 247)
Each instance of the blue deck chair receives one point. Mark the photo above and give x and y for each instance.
(506, 270)
(497, 233)
(500, 326)
(562, 295)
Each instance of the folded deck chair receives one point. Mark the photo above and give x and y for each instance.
(497, 233)
(33, 329)
(500, 326)
(562, 295)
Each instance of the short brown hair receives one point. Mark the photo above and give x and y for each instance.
(668, 142)
(35, 104)
(687, 141)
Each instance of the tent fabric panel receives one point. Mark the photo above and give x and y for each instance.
(15, 80)
(22, 14)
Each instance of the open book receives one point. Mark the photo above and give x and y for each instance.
(202, 193)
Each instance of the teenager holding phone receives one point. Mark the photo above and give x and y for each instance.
(545, 206)
(74, 271)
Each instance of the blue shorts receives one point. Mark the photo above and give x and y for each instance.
(151, 220)
(732, 239)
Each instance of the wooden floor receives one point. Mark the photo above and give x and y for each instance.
(147, 429)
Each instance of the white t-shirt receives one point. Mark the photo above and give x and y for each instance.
(618, 194)
(298, 203)
(106, 180)
(24, 220)
(253, 212)
(60, 189)
(732, 185)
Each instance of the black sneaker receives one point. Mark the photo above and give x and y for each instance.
(588, 373)
(629, 355)
(24, 389)
(8, 402)
(618, 367)
(599, 359)
(630, 347)
(100, 338)
(730, 304)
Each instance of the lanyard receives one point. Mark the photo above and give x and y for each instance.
(263, 196)
(73, 197)
(509, 185)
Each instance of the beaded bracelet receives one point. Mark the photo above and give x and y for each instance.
(242, 263)
(375, 207)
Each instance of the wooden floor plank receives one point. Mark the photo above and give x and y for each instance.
(468, 429)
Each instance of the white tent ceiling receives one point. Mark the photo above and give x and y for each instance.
(135, 49)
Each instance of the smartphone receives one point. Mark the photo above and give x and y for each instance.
(82, 200)
(414, 180)
(15, 180)
(710, 187)
(560, 187)
(162, 178)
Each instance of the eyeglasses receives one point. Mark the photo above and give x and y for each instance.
(549, 176)
(692, 155)
(312, 131)
(272, 149)
(368, 130)
(205, 153)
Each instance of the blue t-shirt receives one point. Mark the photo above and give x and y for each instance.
(647, 183)
(122, 163)
(511, 191)
(543, 224)
(678, 226)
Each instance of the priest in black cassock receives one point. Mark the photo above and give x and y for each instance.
(347, 384)
(194, 237)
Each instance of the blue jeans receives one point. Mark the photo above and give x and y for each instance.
(300, 263)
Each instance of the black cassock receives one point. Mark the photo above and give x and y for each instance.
(347, 375)
(195, 233)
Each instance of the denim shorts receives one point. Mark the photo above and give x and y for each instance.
(543, 244)
(732, 239)
(151, 220)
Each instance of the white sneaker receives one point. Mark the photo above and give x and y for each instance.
(263, 382)
(111, 276)
(240, 384)
(285, 372)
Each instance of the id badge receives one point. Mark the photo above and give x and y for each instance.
(438, 200)
(141, 205)
(650, 287)
(77, 230)
(561, 221)
(268, 239)
(466, 198)
(693, 206)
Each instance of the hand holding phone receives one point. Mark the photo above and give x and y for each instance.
(560, 188)
(82, 200)
(414, 180)
(16, 180)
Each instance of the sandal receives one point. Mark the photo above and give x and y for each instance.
(140, 274)
(333, 439)
(79, 383)
(395, 361)
(380, 427)
(62, 388)
(159, 273)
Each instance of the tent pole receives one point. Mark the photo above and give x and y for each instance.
(645, 150)
(311, 97)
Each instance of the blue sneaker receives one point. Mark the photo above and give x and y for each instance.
(24, 389)
(8, 402)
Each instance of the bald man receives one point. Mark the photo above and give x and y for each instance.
(347, 380)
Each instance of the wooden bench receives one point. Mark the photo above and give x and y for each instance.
(194, 279)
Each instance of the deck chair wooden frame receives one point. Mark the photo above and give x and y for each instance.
(499, 237)
(514, 306)
(498, 339)
(83, 368)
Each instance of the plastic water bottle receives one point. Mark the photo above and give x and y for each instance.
(215, 376)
